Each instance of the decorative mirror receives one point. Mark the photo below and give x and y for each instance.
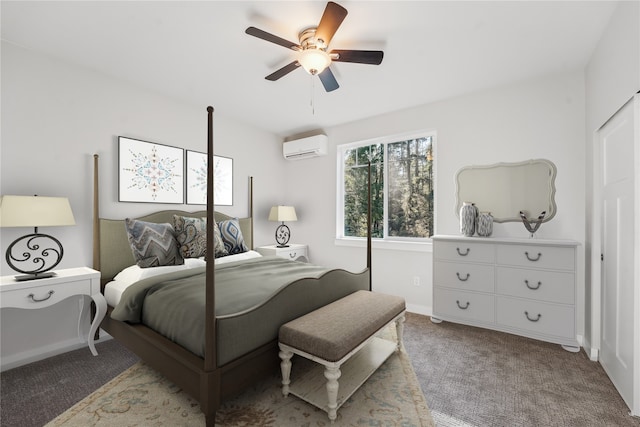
(505, 189)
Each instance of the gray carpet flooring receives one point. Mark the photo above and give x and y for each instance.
(470, 377)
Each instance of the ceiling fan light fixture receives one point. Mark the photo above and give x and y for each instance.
(314, 61)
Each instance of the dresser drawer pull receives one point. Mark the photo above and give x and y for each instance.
(292, 255)
(34, 299)
(533, 288)
(463, 254)
(526, 313)
(532, 259)
(461, 307)
(461, 279)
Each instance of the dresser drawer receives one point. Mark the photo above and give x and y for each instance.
(535, 316)
(464, 251)
(44, 296)
(534, 256)
(474, 277)
(552, 286)
(463, 305)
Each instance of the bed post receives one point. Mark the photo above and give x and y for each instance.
(96, 216)
(369, 222)
(210, 382)
(209, 353)
(251, 209)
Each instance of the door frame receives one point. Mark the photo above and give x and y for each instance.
(596, 251)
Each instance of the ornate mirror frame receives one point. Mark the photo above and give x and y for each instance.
(505, 189)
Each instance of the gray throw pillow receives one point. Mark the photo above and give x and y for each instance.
(153, 245)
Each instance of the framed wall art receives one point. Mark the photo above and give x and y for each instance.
(197, 179)
(149, 172)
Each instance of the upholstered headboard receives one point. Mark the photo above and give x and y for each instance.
(115, 252)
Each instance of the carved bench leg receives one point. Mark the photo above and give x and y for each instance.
(332, 373)
(400, 331)
(285, 368)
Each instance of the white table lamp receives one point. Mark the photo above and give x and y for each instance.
(36, 253)
(282, 214)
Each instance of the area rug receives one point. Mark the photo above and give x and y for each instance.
(141, 396)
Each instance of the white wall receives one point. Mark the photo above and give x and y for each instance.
(543, 118)
(55, 116)
(612, 77)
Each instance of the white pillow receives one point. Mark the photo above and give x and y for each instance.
(134, 273)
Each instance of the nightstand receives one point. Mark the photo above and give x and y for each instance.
(294, 252)
(42, 293)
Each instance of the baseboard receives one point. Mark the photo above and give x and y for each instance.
(419, 309)
(592, 353)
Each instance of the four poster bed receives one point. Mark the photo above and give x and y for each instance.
(230, 312)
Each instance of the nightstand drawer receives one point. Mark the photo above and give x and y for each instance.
(45, 295)
(293, 252)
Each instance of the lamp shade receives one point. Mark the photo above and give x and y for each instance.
(283, 213)
(35, 211)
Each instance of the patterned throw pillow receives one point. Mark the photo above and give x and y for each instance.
(191, 234)
(232, 236)
(153, 245)
(220, 250)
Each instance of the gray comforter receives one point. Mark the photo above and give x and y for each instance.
(174, 304)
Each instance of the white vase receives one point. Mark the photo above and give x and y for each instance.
(484, 225)
(468, 215)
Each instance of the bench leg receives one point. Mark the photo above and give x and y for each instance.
(285, 368)
(400, 331)
(332, 373)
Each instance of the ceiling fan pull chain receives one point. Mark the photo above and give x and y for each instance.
(313, 108)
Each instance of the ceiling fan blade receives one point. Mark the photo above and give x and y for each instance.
(331, 19)
(283, 71)
(256, 32)
(373, 57)
(328, 80)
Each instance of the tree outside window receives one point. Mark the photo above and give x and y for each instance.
(401, 184)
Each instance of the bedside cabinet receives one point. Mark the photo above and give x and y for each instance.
(42, 293)
(294, 252)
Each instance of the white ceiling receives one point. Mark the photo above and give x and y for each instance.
(198, 52)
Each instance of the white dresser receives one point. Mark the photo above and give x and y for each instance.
(521, 286)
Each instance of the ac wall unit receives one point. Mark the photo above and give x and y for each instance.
(305, 148)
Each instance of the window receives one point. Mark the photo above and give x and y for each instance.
(401, 187)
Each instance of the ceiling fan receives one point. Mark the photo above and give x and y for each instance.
(312, 48)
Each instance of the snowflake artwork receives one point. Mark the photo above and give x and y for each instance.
(199, 187)
(197, 179)
(150, 172)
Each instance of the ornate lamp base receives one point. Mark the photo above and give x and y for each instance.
(34, 250)
(282, 236)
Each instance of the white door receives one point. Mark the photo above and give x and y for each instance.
(619, 332)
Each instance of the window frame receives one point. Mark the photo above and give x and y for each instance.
(422, 244)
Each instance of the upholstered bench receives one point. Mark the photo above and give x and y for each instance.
(341, 338)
